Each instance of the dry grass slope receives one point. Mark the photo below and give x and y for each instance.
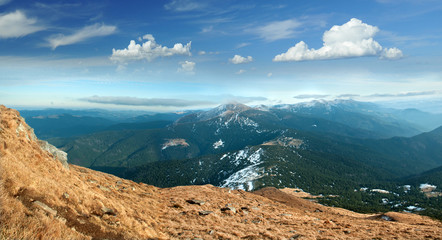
(40, 199)
(88, 204)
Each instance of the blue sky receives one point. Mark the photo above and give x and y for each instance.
(185, 54)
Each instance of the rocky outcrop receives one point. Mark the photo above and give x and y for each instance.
(56, 153)
(12, 122)
(41, 199)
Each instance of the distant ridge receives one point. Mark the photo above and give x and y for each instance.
(41, 199)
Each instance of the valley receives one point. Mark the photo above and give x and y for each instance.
(329, 148)
(42, 197)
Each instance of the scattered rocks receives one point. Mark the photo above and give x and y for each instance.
(66, 195)
(204, 213)
(285, 215)
(195, 201)
(177, 205)
(387, 218)
(328, 222)
(296, 236)
(104, 188)
(256, 220)
(228, 209)
(108, 211)
(45, 207)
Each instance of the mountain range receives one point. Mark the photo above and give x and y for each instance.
(323, 147)
(44, 198)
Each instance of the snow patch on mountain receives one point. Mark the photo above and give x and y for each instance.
(218, 144)
(425, 187)
(244, 178)
(235, 119)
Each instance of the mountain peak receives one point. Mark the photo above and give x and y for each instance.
(220, 111)
(232, 106)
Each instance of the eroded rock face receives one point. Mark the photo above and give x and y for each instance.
(57, 153)
(13, 123)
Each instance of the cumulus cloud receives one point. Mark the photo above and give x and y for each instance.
(391, 53)
(352, 39)
(202, 53)
(184, 5)
(16, 24)
(187, 67)
(278, 30)
(148, 50)
(96, 30)
(304, 96)
(134, 101)
(237, 59)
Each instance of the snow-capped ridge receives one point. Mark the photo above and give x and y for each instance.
(224, 110)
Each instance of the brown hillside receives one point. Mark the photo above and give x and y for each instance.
(42, 199)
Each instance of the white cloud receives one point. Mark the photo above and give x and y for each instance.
(278, 30)
(237, 59)
(184, 5)
(134, 101)
(241, 45)
(96, 30)
(269, 74)
(241, 71)
(16, 24)
(148, 50)
(207, 29)
(209, 53)
(391, 53)
(306, 96)
(187, 67)
(352, 39)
